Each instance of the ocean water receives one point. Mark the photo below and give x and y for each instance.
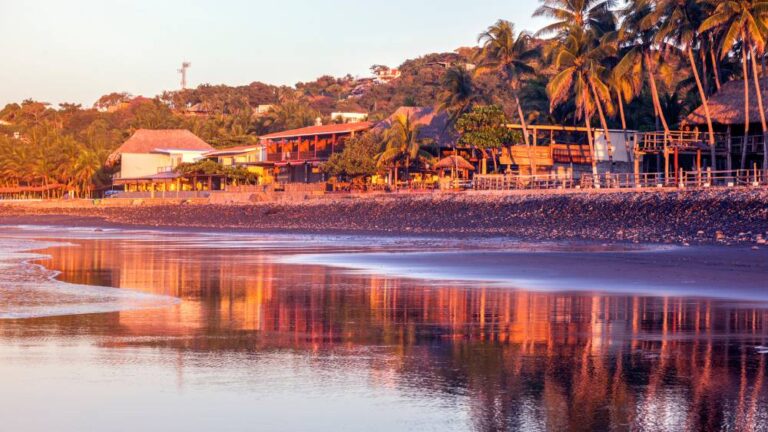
(116, 330)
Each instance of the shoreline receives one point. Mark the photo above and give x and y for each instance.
(724, 217)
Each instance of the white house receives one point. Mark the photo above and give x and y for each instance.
(149, 153)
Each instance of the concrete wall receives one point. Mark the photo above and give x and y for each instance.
(618, 143)
(137, 165)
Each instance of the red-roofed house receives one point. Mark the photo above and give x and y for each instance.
(297, 154)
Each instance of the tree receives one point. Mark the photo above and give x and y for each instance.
(579, 63)
(291, 114)
(509, 53)
(358, 159)
(458, 94)
(678, 28)
(402, 146)
(592, 15)
(485, 128)
(744, 22)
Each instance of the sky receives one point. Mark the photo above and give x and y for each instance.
(77, 50)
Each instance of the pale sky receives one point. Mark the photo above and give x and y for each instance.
(77, 50)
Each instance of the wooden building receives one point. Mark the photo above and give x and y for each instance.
(738, 145)
(297, 155)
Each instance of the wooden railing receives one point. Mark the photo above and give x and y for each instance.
(683, 179)
(298, 156)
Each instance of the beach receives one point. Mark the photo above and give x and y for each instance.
(726, 217)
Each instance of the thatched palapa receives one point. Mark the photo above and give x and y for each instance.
(727, 106)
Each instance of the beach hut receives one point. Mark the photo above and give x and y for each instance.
(726, 107)
(456, 166)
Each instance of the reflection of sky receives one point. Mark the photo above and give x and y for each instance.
(260, 344)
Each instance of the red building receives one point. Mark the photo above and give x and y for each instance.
(297, 154)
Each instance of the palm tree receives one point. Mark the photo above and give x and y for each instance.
(509, 54)
(593, 15)
(459, 93)
(402, 146)
(626, 86)
(679, 25)
(578, 60)
(744, 21)
(639, 24)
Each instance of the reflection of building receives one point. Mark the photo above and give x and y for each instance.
(553, 361)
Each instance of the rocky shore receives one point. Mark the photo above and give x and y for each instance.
(737, 216)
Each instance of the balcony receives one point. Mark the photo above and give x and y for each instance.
(298, 156)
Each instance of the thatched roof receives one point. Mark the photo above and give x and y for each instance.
(456, 162)
(149, 141)
(727, 106)
(434, 125)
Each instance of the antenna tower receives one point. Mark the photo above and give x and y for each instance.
(183, 71)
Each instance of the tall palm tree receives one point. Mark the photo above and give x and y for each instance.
(744, 22)
(626, 85)
(594, 15)
(679, 28)
(459, 93)
(402, 146)
(510, 54)
(578, 60)
(639, 24)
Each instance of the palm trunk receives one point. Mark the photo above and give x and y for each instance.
(705, 104)
(603, 123)
(745, 70)
(659, 111)
(623, 117)
(525, 131)
(762, 112)
(715, 63)
(590, 138)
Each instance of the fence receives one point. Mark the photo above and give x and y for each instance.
(683, 179)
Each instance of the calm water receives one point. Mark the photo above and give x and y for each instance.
(241, 335)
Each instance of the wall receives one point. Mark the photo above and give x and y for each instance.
(138, 165)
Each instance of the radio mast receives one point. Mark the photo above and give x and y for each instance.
(183, 71)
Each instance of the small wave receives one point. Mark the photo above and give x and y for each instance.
(30, 290)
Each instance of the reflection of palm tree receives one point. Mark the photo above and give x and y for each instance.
(402, 146)
(509, 53)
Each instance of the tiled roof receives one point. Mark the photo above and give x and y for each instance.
(320, 130)
(147, 141)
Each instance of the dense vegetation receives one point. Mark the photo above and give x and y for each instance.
(640, 64)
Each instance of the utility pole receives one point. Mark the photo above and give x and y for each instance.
(183, 71)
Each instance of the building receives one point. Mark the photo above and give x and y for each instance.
(386, 74)
(252, 157)
(349, 117)
(296, 155)
(736, 147)
(148, 158)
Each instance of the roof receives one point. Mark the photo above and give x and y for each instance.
(727, 105)
(149, 141)
(434, 124)
(233, 150)
(452, 162)
(320, 130)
